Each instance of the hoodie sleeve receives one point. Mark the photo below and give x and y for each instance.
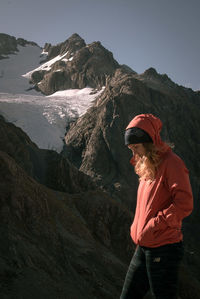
(178, 183)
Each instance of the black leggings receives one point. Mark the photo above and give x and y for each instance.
(154, 269)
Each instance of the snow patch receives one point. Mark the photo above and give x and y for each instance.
(66, 60)
(12, 69)
(44, 53)
(45, 66)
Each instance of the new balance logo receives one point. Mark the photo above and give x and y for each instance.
(156, 260)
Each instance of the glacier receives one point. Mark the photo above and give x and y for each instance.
(45, 118)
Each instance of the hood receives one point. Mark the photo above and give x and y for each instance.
(150, 124)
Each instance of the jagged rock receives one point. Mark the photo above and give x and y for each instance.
(22, 42)
(127, 68)
(71, 45)
(56, 172)
(50, 242)
(159, 82)
(82, 66)
(8, 44)
(49, 245)
(95, 144)
(47, 47)
(47, 167)
(38, 76)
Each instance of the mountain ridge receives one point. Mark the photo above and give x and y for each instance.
(87, 77)
(8, 44)
(77, 65)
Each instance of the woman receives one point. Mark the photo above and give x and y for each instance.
(164, 198)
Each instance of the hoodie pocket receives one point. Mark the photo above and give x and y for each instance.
(147, 235)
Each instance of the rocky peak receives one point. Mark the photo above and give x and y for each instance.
(95, 46)
(47, 47)
(151, 72)
(152, 75)
(99, 52)
(71, 45)
(127, 68)
(75, 39)
(22, 42)
(78, 66)
(9, 44)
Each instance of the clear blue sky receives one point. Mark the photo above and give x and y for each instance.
(163, 34)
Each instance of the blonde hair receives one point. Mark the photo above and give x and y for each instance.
(146, 166)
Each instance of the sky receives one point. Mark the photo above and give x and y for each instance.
(163, 34)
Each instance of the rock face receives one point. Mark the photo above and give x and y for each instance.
(53, 243)
(8, 44)
(48, 249)
(70, 46)
(47, 167)
(95, 143)
(78, 66)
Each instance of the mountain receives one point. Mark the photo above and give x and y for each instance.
(45, 166)
(29, 109)
(9, 44)
(73, 64)
(95, 143)
(58, 230)
(65, 217)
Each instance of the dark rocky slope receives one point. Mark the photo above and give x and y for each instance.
(61, 245)
(56, 244)
(45, 166)
(95, 142)
(48, 249)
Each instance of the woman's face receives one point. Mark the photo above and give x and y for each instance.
(137, 149)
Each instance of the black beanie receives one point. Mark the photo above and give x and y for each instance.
(136, 135)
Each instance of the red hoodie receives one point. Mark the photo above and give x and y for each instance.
(163, 203)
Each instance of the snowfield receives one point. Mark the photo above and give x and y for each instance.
(13, 68)
(47, 65)
(45, 118)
